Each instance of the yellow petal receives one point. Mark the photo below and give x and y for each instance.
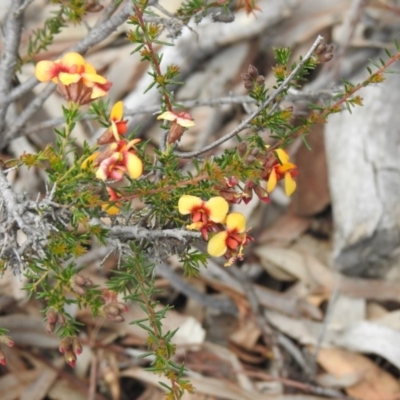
(117, 111)
(110, 209)
(44, 70)
(134, 165)
(290, 184)
(218, 207)
(283, 157)
(287, 167)
(236, 221)
(90, 159)
(186, 203)
(185, 122)
(195, 226)
(97, 92)
(168, 115)
(67, 78)
(271, 184)
(101, 174)
(89, 79)
(217, 245)
(71, 59)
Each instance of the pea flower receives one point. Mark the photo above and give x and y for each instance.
(205, 214)
(230, 242)
(282, 169)
(179, 122)
(112, 209)
(77, 80)
(117, 159)
(118, 125)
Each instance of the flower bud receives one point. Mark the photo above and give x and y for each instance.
(325, 57)
(261, 193)
(76, 346)
(248, 85)
(247, 194)
(65, 345)
(260, 80)
(232, 181)
(3, 359)
(252, 71)
(51, 315)
(70, 358)
(60, 319)
(116, 318)
(50, 327)
(6, 340)
(242, 148)
(320, 49)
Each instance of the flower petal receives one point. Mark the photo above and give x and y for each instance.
(282, 156)
(218, 207)
(90, 159)
(46, 70)
(98, 92)
(286, 167)
(90, 79)
(117, 111)
(70, 59)
(185, 122)
(195, 226)
(271, 183)
(168, 115)
(236, 222)
(110, 209)
(134, 165)
(67, 78)
(290, 184)
(187, 203)
(217, 245)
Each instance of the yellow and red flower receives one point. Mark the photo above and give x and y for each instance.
(230, 242)
(119, 158)
(113, 206)
(118, 126)
(77, 80)
(205, 214)
(281, 168)
(179, 122)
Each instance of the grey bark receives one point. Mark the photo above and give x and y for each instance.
(363, 150)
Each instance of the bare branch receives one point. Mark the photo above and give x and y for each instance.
(244, 124)
(9, 59)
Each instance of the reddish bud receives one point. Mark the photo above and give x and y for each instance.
(325, 57)
(60, 319)
(116, 318)
(248, 85)
(320, 49)
(70, 358)
(51, 315)
(122, 307)
(65, 345)
(260, 80)
(252, 71)
(175, 132)
(261, 193)
(50, 327)
(3, 360)
(242, 148)
(6, 340)
(232, 181)
(76, 346)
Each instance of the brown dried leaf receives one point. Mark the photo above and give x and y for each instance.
(373, 384)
